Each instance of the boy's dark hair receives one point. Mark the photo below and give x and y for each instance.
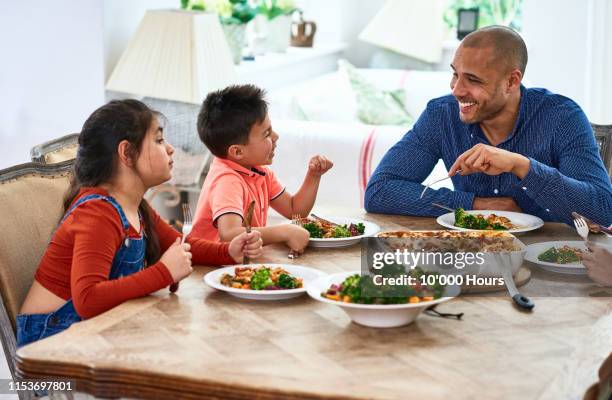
(227, 115)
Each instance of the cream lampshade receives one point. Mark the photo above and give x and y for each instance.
(411, 27)
(173, 61)
(175, 55)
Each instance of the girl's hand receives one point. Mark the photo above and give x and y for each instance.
(318, 165)
(178, 260)
(246, 244)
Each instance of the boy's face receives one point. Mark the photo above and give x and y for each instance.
(260, 148)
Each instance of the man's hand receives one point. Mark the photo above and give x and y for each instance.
(496, 203)
(491, 161)
(318, 165)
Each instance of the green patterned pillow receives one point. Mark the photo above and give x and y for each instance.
(375, 106)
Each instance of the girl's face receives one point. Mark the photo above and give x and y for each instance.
(154, 163)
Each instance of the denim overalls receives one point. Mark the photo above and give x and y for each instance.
(128, 260)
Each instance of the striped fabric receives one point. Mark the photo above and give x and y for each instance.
(566, 172)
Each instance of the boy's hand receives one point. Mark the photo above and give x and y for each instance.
(318, 165)
(296, 238)
(246, 244)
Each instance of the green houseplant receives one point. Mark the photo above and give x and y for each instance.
(492, 12)
(278, 15)
(233, 15)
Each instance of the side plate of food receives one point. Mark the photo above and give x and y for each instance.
(508, 221)
(262, 282)
(337, 231)
(563, 257)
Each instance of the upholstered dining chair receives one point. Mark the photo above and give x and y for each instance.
(32, 203)
(603, 136)
(56, 150)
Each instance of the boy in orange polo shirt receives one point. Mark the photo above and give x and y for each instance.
(234, 124)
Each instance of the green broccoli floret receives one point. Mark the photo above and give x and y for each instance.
(360, 228)
(315, 231)
(261, 279)
(286, 282)
(459, 216)
(351, 287)
(341, 231)
(499, 227)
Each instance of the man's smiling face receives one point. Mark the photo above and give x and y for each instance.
(478, 84)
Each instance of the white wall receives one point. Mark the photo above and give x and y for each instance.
(51, 71)
(569, 51)
(342, 21)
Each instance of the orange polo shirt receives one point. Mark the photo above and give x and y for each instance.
(230, 188)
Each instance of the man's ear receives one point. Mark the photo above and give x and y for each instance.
(514, 81)
(235, 152)
(125, 153)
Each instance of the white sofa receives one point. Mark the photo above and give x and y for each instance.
(355, 148)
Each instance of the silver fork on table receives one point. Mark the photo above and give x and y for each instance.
(296, 219)
(187, 225)
(582, 228)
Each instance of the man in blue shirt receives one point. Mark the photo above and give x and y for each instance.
(517, 149)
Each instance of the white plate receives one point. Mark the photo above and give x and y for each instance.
(213, 279)
(534, 250)
(375, 315)
(370, 229)
(524, 222)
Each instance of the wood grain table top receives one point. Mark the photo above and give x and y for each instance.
(201, 343)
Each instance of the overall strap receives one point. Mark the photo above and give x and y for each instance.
(109, 199)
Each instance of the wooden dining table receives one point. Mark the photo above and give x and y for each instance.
(200, 343)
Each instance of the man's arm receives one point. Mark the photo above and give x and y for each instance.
(580, 183)
(395, 186)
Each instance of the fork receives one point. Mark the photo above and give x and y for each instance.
(436, 181)
(187, 225)
(296, 219)
(582, 228)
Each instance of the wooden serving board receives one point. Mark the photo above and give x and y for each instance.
(522, 277)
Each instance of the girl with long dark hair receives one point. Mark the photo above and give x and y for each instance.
(110, 245)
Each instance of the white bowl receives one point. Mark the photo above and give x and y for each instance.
(375, 315)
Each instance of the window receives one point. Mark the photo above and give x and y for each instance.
(491, 12)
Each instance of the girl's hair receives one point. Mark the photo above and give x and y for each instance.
(96, 161)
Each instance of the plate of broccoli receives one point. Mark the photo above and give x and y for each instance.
(337, 231)
(262, 282)
(490, 220)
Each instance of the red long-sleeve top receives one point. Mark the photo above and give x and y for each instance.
(79, 257)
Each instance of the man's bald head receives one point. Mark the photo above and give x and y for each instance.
(508, 46)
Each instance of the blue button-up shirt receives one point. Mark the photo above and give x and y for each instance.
(565, 174)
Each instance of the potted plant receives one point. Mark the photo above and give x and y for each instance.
(233, 15)
(278, 13)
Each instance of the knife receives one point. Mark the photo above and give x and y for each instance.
(593, 226)
(443, 207)
(247, 225)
